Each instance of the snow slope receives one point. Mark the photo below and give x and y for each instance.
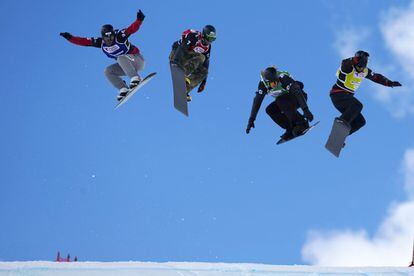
(41, 268)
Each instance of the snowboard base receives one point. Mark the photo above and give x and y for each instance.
(336, 140)
(179, 89)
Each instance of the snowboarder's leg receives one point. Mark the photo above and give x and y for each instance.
(192, 62)
(300, 124)
(350, 107)
(277, 116)
(353, 110)
(113, 73)
(194, 69)
(288, 106)
(197, 77)
(357, 123)
(131, 64)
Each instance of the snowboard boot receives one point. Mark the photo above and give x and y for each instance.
(134, 82)
(188, 97)
(122, 93)
(299, 128)
(287, 135)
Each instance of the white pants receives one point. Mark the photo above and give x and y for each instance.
(127, 65)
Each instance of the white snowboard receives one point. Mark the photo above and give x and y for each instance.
(133, 91)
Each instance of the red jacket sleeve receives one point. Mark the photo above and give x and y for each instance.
(83, 41)
(134, 27)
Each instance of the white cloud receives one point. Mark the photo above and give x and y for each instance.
(391, 245)
(349, 40)
(398, 34)
(398, 101)
(396, 28)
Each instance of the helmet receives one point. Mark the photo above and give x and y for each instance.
(269, 74)
(107, 30)
(209, 33)
(361, 59)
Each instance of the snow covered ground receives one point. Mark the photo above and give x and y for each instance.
(41, 268)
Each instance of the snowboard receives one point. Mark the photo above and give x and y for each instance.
(131, 92)
(281, 141)
(179, 89)
(337, 137)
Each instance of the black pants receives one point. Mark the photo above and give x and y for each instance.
(351, 108)
(284, 111)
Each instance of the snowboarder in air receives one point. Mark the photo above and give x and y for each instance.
(115, 44)
(289, 96)
(192, 54)
(349, 76)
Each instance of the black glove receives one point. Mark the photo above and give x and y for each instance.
(308, 115)
(201, 86)
(66, 35)
(250, 125)
(140, 15)
(394, 84)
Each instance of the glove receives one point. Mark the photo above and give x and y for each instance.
(308, 115)
(66, 35)
(140, 15)
(250, 125)
(201, 86)
(394, 84)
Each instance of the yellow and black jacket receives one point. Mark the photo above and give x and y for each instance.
(348, 79)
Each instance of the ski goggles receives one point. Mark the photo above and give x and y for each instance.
(210, 37)
(108, 37)
(271, 84)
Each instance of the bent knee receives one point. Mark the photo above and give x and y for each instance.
(107, 71)
(270, 109)
(363, 122)
(359, 106)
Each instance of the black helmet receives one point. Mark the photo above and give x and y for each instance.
(269, 74)
(361, 59)
(209, 33)
(107, 30)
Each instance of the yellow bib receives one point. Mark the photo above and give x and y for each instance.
(351, 81)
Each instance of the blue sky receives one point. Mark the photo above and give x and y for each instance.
(145, 183)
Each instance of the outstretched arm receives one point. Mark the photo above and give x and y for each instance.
(124, 34)
(83, 41)
(378, 78)
(134, 27)
(257, 102)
